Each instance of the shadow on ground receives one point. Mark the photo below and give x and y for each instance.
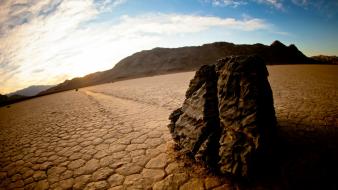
(305, 157)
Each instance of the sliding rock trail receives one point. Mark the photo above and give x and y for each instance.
(114, 136)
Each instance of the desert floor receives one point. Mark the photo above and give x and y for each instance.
(114, 136)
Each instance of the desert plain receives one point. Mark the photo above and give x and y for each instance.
(115, 136)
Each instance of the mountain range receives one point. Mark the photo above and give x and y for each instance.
(23, 94)
(168, 60)
(31, 90)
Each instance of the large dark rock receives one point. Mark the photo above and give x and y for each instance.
(194, 123)
(246, 112)
(228, 118)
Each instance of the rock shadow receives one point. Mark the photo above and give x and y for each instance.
(305, 157)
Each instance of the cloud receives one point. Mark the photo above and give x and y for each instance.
(170, 24)
(236, 3)
(38, 70)
(19, 12)
(117, 2)
(274, 3)
(108, 5)
(231, 3)
(61, 43)
(50, 8)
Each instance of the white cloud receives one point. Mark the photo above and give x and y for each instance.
(59, 45)
(177, 23)
(118, 2)
(235, 3)
(231, 3)
(108, 5)
(275, 3)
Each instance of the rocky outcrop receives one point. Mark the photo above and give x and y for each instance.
(227, 119)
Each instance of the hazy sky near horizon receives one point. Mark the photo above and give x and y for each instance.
(49, 41)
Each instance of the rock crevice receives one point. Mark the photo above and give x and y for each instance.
(227, 119)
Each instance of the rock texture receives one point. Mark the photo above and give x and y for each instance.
(247, 116)
(193, 124)
(228, 117)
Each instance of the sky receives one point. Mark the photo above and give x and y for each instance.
(48, 41)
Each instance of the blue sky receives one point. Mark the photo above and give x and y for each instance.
(49, 41)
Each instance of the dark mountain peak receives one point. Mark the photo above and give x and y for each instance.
(277, 43)
(293, 47)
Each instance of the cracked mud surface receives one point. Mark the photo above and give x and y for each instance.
(114, 136)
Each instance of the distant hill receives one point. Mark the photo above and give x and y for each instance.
(23, 94)
(326, 59)
(31, 90)
(166, 60)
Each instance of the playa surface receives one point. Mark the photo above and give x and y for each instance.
(115, 136)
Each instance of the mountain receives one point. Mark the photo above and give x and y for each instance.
(23, 94)
(31, 90)
(166, 60)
